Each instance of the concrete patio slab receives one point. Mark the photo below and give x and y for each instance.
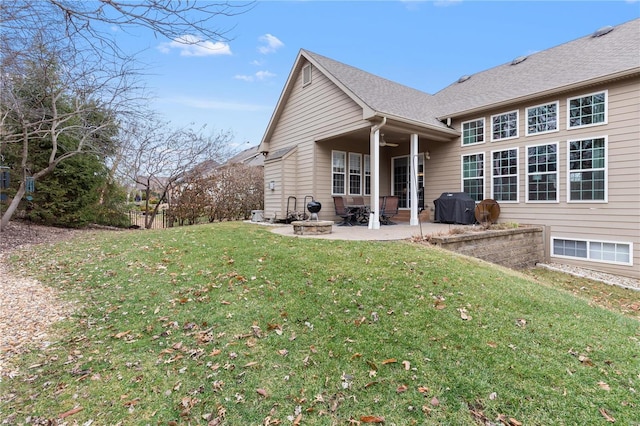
(400, 231)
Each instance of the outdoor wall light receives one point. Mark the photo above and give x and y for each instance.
(272, 185)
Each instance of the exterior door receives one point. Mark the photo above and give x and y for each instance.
(401, 181)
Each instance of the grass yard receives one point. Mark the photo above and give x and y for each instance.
(229, 324)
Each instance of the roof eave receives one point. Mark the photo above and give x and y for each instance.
(557, 90)
(445, 132)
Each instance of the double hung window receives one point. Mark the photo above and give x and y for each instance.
(473, 175)
(542, 172)
(338, 172)
(504, 168)
(587, 170)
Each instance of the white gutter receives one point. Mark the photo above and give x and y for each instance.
(374, 149)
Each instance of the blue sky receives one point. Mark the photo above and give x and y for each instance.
(425, 45)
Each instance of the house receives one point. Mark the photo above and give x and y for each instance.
(553, 137)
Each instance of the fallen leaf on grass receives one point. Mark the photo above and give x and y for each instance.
(70, 412)
(464, 314)
(298, 420)
(585, 360)
(407, 365)
(121, 334)
(607, 416)
(435, 401)
(262, 392)
(402, 388)
(131, 403)
(372, 419)
(389, 361)
(604, 386)
(423, 389)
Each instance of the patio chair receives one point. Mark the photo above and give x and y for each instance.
(341, 210)
(358, 200)
(388, 209)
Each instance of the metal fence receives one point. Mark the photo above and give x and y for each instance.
(137, 218)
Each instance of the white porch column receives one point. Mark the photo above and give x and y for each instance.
(374, 149)
(413, 176)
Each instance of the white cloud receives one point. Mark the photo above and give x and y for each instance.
(243, 77)
(258, 76)
(271, 44)
(263, 75)
(190, 45)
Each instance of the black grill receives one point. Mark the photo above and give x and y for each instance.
(455, 207)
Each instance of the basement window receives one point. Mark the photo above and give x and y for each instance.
(306, 75)
(595, 251)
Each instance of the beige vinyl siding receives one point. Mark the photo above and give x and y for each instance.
(311, 113)
(617, 220)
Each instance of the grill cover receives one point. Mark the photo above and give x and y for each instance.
(455, 207)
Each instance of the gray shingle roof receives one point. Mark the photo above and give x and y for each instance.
(582, 60)
(380, 94)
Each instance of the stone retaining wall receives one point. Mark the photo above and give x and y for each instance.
(516, 248)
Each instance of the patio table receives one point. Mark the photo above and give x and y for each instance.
(360, 213)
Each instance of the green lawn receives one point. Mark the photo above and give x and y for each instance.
(229, 324)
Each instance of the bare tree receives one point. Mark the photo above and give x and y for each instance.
(65, 104)
(86, 23)
(235, 189)
(161, 159)
(64, 80)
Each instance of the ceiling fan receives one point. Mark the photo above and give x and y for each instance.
(383, 142)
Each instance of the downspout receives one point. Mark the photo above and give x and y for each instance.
(374, 149)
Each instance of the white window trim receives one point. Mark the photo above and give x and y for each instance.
(484, 171)
(484, 132)
(349, 174)
(517, 200)
(588, 258)
(346, 183)
(606, 172)
(526, 173)
(517, 126)
(526, 119)
(305, 69)
(606, 110)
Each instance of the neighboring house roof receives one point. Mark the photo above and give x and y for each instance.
(280, 153)
(250, 157)
(589, 59)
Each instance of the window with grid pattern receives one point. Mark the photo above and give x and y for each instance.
(355, 173)
(504, 126)
(542, 118)
(473, 176)
(505, 175)
(473, 132)
(587, 110)
(542, 173)
(338, 172)
(587, 177)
